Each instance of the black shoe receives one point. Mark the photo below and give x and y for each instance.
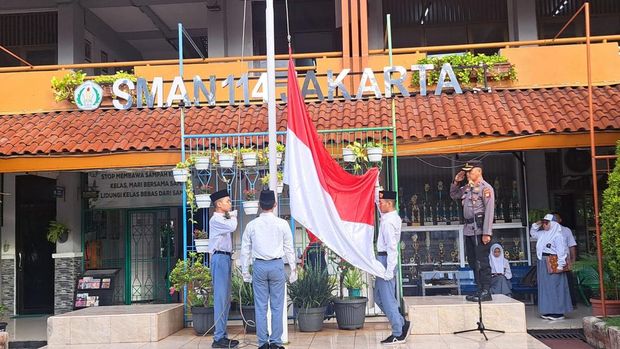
(484, 296)
(405, 333)
(264, 346)
(275, 346)
(391, 340)
(225, 343)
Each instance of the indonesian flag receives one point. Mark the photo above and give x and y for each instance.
(336, 206)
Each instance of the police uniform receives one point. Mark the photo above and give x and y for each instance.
(267, 240)
(478, 202)
(221, 227)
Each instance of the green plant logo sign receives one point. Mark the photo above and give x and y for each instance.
(88, 96)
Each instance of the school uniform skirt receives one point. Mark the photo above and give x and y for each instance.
(553, 291)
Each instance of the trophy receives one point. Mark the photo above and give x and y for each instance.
(499, 206)
(429, 258)
(455, 252)
(454, 212)
(441, 254)
(428, 213)
(441, 207)
(517, 253)
(415, 210)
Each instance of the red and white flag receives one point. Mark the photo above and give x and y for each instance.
(336, 206)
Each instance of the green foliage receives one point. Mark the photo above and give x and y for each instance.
(610, 223)
(194, 275)
(353, 279)
(537, 214)
(227, 150)
(64, 87)
(265, 179)
(467, 67)
(313, 288)
(247, 150)
(3, 310)
(612, 321)
(373, 144)
(361, 160)
(109, 79)
(55, 230)
(242, 292)
(280, 147)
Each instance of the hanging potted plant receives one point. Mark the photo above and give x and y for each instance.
(181, 172)
(310, 295)
(243, 294)
(193, 275)
(349, 152)
(203, 198)
(202, 160)
(280, 186)
(279, 153)
(226, 157)
(201, 242)
(107, 81)
(64, 87)
(57, 232)
(249, 156)
(250, 204)
(351, 310)
(374, 150)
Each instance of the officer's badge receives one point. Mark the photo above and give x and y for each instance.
(487, 193)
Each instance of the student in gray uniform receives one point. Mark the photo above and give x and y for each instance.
(500, 271)
(387, 254)
(571, 244)
(266, 240)
(221, 226)
(478, 200)
(553, 295)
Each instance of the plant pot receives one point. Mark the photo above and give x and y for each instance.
(63, 237)
(374, 154)
(613, 307)
(180, 174)
(203, 319)
(202, 245)
(203, 200)
(348, 155)
(3, 326)
(279, 158)
(280, 187)
(310, 319)
(202, 162)
(355, 292)
(227, 160)
(250, 207)
(249, 159)
(350, 312)
(249, 314)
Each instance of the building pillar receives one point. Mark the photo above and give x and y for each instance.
(70, 32)
(68, 259)
(7, 271)
(522, 23)
(7, 249)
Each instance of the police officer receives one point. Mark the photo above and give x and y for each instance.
(221, 226)
(478, 200)
(267, 240)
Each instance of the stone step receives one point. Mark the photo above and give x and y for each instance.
(448, 314)
(115, 324)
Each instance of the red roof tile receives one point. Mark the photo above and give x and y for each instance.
(505, 112)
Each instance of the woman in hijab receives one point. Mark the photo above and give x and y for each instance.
(553, 293)
(500, 271)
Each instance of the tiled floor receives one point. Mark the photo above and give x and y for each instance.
(332, 338)
(573, 320)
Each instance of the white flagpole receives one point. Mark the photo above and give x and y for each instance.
(271, 113)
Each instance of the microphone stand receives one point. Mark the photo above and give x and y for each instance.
(481, 328)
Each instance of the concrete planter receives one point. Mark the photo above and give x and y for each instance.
(599, 335)
(613, 307)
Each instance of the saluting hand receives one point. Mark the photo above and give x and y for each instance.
(459, 176)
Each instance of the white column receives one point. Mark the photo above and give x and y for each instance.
(70, 32)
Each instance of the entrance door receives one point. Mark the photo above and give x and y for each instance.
(149, 264)
(35, 208)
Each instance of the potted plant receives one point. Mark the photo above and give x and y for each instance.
(57, 232)
(243, 294)
(351, 310)
(610, 238)
(193, 275)
(181, 172)
(64, 87)
(310, 296)
(107, 81)
(250, 204)
(249, 156)
(226, 157)
(279, 153)
(280, 187)
(201, 241)
(203, 198)
(3, 311)
(202, 160)
(374, 150)
(349, 153)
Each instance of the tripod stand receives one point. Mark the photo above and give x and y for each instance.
(481, 328)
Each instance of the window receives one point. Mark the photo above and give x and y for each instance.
(88, 48)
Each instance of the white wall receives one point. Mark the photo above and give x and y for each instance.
(68, 211)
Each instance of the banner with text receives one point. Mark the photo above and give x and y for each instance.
(134, 189)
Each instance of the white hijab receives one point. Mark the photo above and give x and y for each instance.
(546, 237)
(497, 263)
